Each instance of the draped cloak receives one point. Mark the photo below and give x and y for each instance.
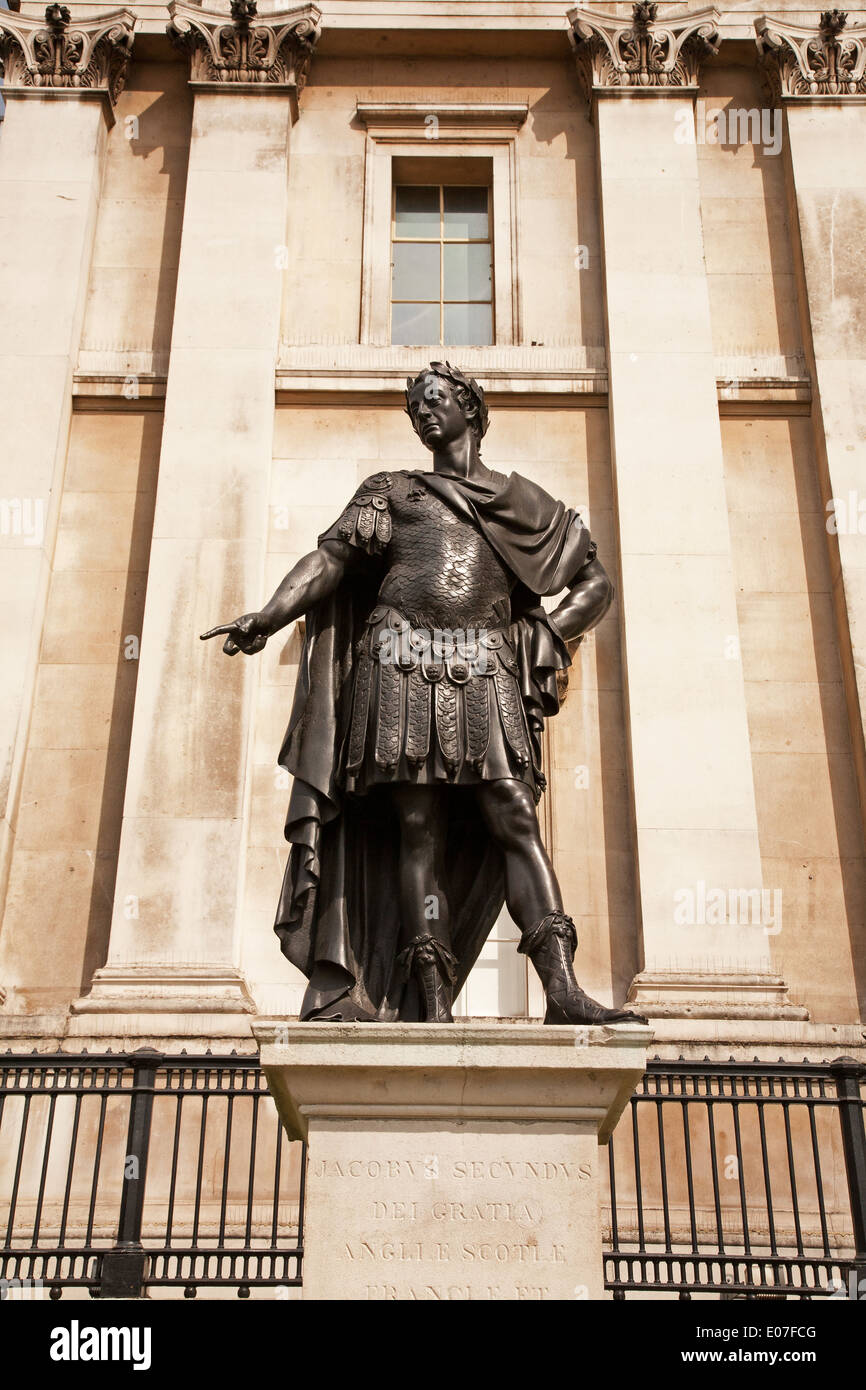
(338, 917)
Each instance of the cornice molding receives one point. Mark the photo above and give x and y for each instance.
(643, 56)
(509, 115)
(54, 56)
(805, 63)
(250, 53)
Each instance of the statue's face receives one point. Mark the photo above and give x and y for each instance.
(436, 415)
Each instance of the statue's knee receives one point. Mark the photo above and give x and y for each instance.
(512, 814)
(524, 828)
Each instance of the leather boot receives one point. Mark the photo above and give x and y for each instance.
(551, 946)
(435, 969)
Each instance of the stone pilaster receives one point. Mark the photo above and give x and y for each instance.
(174, 951)
(641, 54)
(55, 57)
(695, 819)
(817, 74)
(808, 64)
(61, 81)
(271, 53)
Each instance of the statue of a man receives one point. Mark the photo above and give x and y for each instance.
(428, 668)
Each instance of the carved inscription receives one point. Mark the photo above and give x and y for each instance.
(431, 1166)
(488, 1251)
(438, 1226)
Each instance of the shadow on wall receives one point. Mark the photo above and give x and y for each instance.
(113, 790)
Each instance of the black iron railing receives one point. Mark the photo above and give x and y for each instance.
(123, 1174)
(740, 1179)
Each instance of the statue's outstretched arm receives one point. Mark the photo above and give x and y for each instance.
(586, 602)
(306, 584)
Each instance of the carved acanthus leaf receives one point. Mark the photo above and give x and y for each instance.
(802, 62)
(275, 50)
(644, 53)
(56, 54)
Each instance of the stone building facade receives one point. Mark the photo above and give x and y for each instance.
(199, 365)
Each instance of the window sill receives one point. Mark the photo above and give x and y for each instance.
(366, 368)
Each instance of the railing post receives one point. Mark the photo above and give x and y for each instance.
(123, 1267)
(848, 1075)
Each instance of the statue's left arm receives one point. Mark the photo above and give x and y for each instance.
(588, 599)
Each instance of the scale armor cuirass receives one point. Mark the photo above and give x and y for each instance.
(442, 573)
(436, 695)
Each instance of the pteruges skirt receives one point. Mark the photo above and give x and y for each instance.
(434, 706)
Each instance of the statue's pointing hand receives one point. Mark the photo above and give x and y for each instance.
(247, 634)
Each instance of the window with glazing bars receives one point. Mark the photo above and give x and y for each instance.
(441, 265)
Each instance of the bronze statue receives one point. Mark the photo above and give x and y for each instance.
(428, 668)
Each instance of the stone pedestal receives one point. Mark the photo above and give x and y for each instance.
(451, 1161)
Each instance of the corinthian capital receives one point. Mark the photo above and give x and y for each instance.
(53, 56)
(643, 54)
(802, 62)
(272, 53)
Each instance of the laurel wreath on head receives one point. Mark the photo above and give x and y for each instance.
(467, 392)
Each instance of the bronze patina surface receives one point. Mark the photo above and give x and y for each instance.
(429, 666)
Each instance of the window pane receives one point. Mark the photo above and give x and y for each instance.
(416, 270)
(466, 212)
(468, 324)
(415, 323)
(467, 271)
(416, 211)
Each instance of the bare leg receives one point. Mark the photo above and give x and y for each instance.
(423, 905)
(531, 887)
(425, 934)
(535, 902)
